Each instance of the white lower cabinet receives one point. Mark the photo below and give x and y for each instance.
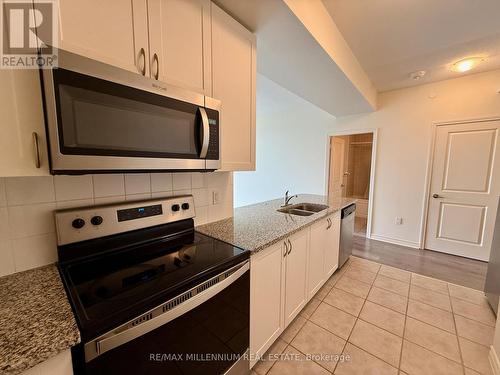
(317, 265)
(332, 245)
(295, 274)
(266, 279)
(285, 276)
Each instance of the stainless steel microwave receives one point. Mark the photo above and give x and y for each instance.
(105, 119)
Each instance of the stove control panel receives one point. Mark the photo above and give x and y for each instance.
(85, 223)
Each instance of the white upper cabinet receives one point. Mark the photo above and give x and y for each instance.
(233, 82)
(23, 147)
(112, 31)
(180, 43)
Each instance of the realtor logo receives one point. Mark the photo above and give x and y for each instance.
(29, 34)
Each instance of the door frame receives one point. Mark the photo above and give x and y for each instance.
(430, 167)
(374, 132)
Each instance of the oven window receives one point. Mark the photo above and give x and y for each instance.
(97, 117)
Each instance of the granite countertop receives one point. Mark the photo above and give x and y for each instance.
(36, 320)
(258, 226)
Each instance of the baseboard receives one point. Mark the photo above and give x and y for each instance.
(494, 361)
(395, 241)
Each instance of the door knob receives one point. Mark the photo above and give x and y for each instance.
(436, 196)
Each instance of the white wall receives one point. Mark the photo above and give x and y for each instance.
(291, 147)
(404, 121)
(27, 230)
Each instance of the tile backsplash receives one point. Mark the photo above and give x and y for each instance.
(27, 230)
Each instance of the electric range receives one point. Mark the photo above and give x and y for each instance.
(151, 295)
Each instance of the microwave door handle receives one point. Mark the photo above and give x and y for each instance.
(205, 133)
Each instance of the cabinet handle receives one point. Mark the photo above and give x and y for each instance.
(37, 150)
(142, 54)
(329, 223)
(290, 247)
(157, 71)
(286, 249)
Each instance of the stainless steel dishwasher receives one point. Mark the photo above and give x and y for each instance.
(346, 230)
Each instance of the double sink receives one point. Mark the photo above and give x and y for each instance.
(303, 209)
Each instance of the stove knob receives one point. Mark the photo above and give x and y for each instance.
(175, 207)
(185, 206)
(78, 223)
(96, 220)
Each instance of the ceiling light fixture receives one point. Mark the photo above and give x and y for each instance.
(417, 75)
(467, 64)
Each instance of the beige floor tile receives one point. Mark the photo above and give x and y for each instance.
(308, 310)
(324, 346)
(431, 315)
(388, 299)
(416, 360)
(335, 277)
(294, 362)
(377, 341)
(293, 329)
(368, 265)
(470, 295)
(363, 363)
(429, 283)
(432, 338)
(344, 301)
(395, 273)
(474, 331)
(323, 292)
(480, 313)
(361, 275)
(334, 320)
(430, 297)
(475, 356)
(356, 287)
(264, 365)
(383, 317)
(392, 285)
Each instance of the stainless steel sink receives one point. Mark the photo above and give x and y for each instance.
(313, 207)
(303, 209)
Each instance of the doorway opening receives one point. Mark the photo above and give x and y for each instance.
(350, 174)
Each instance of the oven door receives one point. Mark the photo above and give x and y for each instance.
(205, 330)
(101, 118)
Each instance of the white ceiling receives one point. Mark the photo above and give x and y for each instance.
(289, 55)
(393, 38)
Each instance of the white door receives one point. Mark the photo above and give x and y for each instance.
(464, 189)
(295, 275)
(266, 322)
(332, 245)
(180, 43)
(112, 31)
(317, 246)
(337, 147)
(234, 74)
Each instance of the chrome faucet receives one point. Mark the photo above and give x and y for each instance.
(288, 198)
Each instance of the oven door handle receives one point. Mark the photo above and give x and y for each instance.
(120, 336)
(205, 133)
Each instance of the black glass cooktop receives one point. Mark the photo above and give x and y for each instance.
(118, 285)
